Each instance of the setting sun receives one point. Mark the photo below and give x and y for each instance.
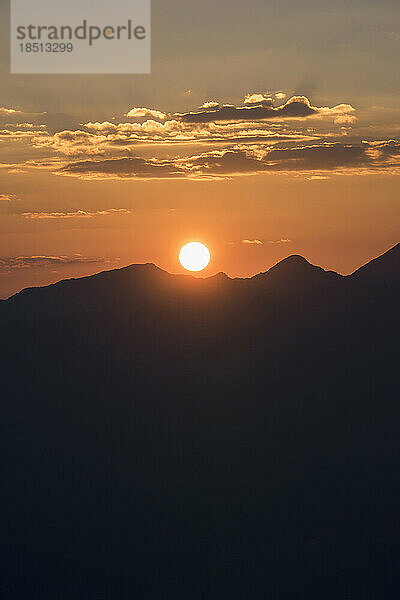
(194, 256)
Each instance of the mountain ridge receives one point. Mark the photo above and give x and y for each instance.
(137, 284)
(289, 263)
(384, 269)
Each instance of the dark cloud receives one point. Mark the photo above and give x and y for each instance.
(241, 160)
(296, 107)
(317, 157)
(225, 162)
(126, 167)
(320, 156)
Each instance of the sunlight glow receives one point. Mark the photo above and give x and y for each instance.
(194, 256)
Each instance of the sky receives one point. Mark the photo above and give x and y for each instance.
(264, 129)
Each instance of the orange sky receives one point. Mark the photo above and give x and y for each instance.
(98, 172)
(338, 223)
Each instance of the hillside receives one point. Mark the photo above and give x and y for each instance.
(171, 437)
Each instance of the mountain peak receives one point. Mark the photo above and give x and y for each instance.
(294, 260)
(295, 271)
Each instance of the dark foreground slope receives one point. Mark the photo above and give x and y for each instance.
(166, 437)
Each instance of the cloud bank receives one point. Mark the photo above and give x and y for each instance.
(265, 134)
(334, 157)
(14, 263)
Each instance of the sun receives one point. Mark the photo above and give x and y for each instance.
(194, 256)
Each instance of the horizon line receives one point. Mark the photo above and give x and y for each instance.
(191, 275)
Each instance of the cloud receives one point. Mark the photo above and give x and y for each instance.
(9, 264)
(257, 121)
(311, 160)
(296, 107)
(253, 242)
(382, 149)
(8, 198)
(54, 121)
(316, 159)
(281, 241)
(345, 120)
(146, 112)
(215, 141)
(225, 162)
(11, 134)
(210, 104)
(258, 100)
(72, 142)
(9, 111)
(242, 160)
(134, 167)
(176, 132)
(25, 126)
(77, 214)
(318, 156)
(257, 242)
(260, 107)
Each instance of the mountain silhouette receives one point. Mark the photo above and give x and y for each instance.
(165, 436)
(297, 267)
(147, 281)
(383, 270)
